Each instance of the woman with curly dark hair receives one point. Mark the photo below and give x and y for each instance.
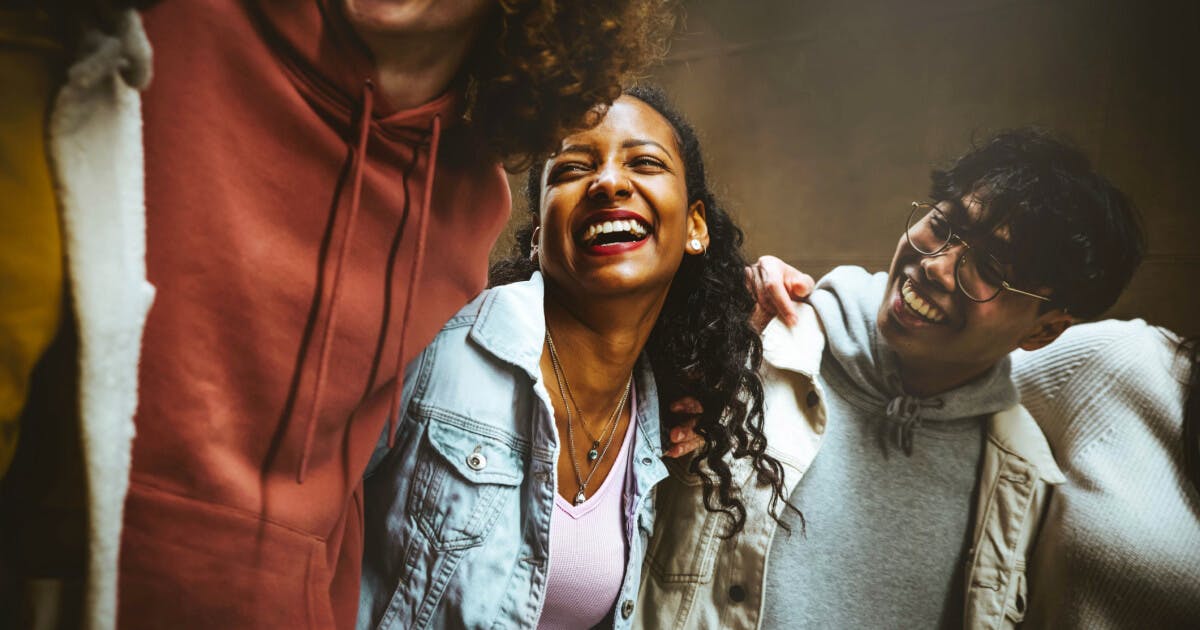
(518, 489)
(304, 191)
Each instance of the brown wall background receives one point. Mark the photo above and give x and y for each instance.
(822, 119)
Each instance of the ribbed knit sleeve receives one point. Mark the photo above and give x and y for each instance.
(1076, 385)
(1120, 546)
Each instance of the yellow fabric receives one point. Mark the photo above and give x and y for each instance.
(31, 261)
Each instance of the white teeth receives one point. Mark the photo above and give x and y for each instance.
(916, 303)
(607, 227)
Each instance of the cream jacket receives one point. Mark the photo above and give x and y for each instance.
(95, 145)
(695, 579)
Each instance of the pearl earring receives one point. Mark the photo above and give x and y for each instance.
(695, 245)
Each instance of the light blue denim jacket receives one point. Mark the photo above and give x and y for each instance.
(457, 512)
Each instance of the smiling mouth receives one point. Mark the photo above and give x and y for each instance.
(614, 232)
(918, 305)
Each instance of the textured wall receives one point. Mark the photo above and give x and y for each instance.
(822, 119)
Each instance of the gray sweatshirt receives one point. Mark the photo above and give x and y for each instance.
(888, 500)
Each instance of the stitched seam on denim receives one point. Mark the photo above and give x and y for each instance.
(437, 588)
(704, 556)
(473, 530)
(409, 565)
(521, 445)
(424, 375)
(988, 514)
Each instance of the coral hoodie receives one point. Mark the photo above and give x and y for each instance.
(306, 241)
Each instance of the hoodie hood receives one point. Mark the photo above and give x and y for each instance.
(333, 69)
(865, 370)
(329, 64)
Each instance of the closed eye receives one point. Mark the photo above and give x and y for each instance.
(567, 170)
(646, 163)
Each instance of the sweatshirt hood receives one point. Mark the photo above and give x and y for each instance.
(330, 63)
(331, 67)
(862, 366)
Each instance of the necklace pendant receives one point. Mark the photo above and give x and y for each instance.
(594, 454)
(579, 498)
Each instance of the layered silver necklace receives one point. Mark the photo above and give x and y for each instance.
(595, 454)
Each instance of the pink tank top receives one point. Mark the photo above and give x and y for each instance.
(589, 548)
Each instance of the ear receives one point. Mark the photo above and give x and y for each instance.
(697, 224)
(1047, 328)
(534, 239)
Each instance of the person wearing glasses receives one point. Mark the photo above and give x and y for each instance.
(932, 480)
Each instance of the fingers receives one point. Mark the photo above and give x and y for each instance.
(682, 436)
(683, 439)
(799, 284)
(776, 286)
(781, 302)
(687, 406)
(684, 448)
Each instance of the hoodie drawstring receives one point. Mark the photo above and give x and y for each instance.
(360, 158)
(904, 413)
(413, 276)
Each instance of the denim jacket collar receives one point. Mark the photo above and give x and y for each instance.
(511, 325)
(795, 348)
(1016, 432)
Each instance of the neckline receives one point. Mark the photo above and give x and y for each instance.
(620, 469)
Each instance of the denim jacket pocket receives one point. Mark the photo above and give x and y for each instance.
(462, 479)
(685, 548)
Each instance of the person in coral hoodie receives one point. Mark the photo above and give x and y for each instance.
(322, 184)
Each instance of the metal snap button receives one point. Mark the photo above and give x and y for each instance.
(476, 460)
(737, 593)
(627, 609)
(812, 398)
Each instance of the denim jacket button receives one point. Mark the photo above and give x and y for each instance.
(812, 399)
(476, 461)
(627, 609)
(737, 593)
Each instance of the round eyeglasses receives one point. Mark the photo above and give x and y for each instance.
(979, 275)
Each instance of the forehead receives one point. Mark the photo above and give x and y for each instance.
(628, 118)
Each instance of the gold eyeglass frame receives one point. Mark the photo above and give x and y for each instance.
(950, 238)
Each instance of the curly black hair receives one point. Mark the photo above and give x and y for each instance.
(540, 68)
(702, 345)
(1070, 229)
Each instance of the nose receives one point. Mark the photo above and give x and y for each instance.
(610, 184)
(940, 268)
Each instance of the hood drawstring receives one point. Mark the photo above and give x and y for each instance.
(413, 277)
(904, 415)
(360, 158)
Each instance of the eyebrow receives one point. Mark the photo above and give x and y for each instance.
(628, 144)
(579, 148)
(635, 142)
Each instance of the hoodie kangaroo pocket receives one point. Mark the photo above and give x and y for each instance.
(462, 480)
(186, 563)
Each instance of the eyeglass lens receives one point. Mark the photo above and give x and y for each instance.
(930, 232)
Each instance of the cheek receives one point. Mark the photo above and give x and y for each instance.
(902, 252)
(997, 322)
